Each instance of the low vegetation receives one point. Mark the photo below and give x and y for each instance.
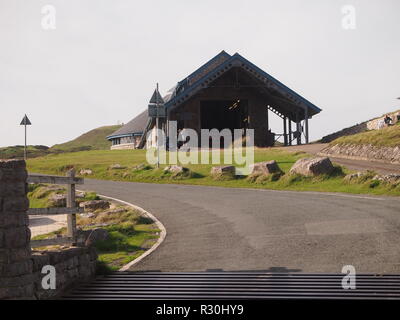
(386, 137)
(130, 234)
(136, 169)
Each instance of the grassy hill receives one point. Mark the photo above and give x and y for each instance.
(17, 152)
(386, 137)
(92, 140)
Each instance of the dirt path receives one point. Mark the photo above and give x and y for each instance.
(45, 224)
(358, 165)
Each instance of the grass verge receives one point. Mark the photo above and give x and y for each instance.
(135, 169)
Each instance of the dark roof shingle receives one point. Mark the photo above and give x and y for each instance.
(136, 125)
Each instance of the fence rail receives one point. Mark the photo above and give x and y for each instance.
(70, 210)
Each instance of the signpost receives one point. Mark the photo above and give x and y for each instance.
(157, 110)
(25, 122)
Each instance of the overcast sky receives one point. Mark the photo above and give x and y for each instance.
(100, 65)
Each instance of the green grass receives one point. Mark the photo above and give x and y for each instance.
(386, 137)
(100, 161)
(126, 242)
(130, 233)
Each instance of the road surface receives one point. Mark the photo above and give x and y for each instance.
(214, 228)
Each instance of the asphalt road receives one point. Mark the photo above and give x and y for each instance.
(213, 228)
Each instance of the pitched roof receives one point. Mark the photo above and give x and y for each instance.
(135, 126)
(222, 63)
(207, 73)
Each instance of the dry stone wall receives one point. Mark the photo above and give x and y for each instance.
(20, 268)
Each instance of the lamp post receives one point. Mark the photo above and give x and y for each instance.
(25, 122)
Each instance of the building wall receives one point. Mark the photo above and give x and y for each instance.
(125, 143)
(257, 110)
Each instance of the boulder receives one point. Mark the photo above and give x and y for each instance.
(90, 237)
(94, 205)
(141, 166)
(353, 176)
(85, 172)
(223, 171)
(388, 178)
(312, 166)
(265, 168)
(58, 200)
(116, 166)
(175, 169)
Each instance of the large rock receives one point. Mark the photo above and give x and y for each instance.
(312, 166)
(90, 237)
(388, 178)
(85, 172)
(223, 172)
(58, 200)
(175, 169)
(353, 176)
(117, 166)
(265, 168)
(94, 205)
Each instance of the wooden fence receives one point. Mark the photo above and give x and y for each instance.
(71, 210)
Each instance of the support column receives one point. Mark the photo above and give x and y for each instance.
(306, 127)
(298, 129)
(290, 132)
(285, 138)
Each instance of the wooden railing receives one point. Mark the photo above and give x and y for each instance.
(71, 210)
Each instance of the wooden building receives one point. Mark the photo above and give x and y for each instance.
(230, 92)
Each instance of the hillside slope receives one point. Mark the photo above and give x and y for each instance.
(92, 140)
(376, 145)
(358, 128)
(386, 137)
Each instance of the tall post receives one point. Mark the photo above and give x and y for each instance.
(71, 203)
(306, 126)
(285, 138)
(157, 137)
(298, 129)
(290, 132)
(25, 144)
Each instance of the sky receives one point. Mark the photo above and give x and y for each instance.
(100, 63)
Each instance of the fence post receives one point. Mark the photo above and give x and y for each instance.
(71, 203)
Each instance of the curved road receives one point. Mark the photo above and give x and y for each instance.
(213, 228)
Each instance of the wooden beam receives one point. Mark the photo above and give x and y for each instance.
(71, 203)
(306, 127)
(54, 211)
(37, 178)
(51, 242)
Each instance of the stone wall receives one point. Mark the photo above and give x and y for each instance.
(363, 152)
(20, 269)
(73, 265)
